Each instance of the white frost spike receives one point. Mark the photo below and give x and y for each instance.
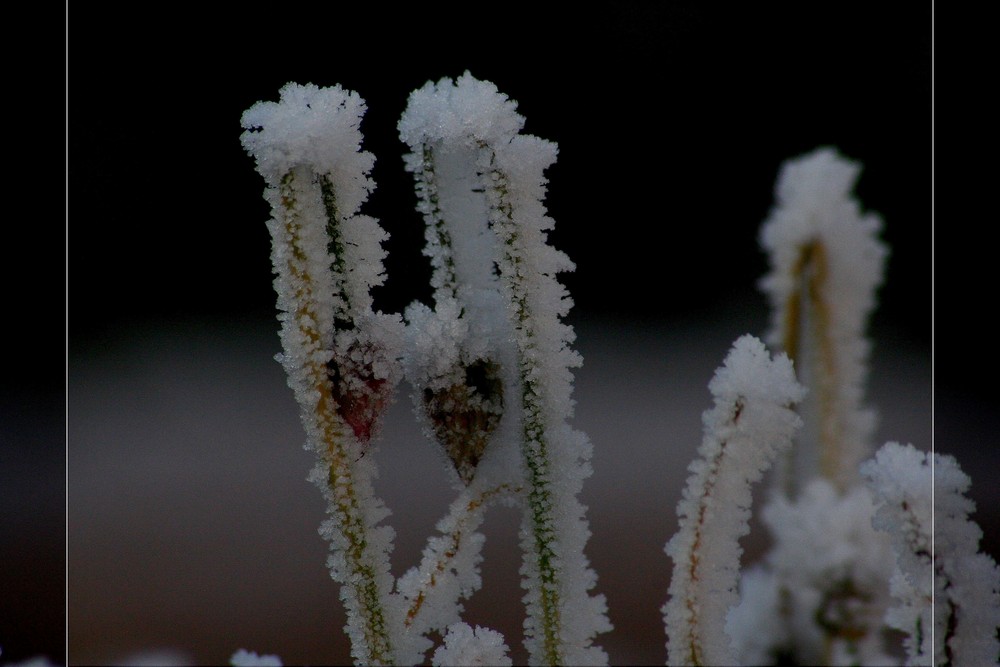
(750, 424)
(308, 149)
(464, 647)
(826, 263)
(966, 583)
(446, 125)
(313, 126)
(339, 356)
(465, 110)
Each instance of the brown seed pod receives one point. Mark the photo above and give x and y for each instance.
(465, 414)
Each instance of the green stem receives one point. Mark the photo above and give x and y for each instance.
(447, 277)
(534, 445)
(335, 246)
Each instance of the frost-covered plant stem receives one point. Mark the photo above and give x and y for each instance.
(534, 447)
(751, 423)
(806, 336)
(460, 526)
(337, 353)
(481, 185)
(558, 573)
(344, 503)
(922, 505)
(826, 263)
(439, 243)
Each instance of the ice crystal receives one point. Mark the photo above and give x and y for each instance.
(464, 647)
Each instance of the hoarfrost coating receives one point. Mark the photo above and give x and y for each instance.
(923, 507)
(750, 424)
(337, 353)
(464, 646)
(481, 186)
(826, 263)
(491, 368)
(829, 567)
(490, 363)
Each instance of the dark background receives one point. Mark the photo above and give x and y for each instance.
(672, 121)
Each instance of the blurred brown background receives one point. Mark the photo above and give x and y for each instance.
(192, 527)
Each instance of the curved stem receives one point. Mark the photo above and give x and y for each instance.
(437, 564)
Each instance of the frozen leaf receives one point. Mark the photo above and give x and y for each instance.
(481, 185)
(340, 357)
(464, 415)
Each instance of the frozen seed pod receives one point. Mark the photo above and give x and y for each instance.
(361, 396)
(464, 415)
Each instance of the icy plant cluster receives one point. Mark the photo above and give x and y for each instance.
(856, 548)
(489, 364)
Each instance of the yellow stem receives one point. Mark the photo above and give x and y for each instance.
(346, 505)
(811, 275)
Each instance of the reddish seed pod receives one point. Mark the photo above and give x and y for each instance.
(361, 397)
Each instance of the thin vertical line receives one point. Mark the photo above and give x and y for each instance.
(66, 334)
(933, 322)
